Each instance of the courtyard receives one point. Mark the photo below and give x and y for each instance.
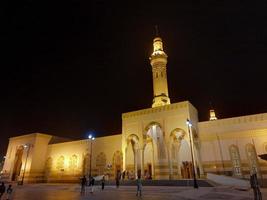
(72, 192)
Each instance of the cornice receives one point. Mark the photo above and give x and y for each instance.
(174, 106)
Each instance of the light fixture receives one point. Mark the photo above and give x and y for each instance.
(189, 123)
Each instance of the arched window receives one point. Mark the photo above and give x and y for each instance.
(236, 162)
(86, 164)
(73, 163)
(101, 163)
(49, 164)
(252, 159)
(60, 163)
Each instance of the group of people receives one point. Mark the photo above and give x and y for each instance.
(92, 183)
(4, 191)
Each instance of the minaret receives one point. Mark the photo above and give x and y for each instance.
(212, 115)
(158, 61)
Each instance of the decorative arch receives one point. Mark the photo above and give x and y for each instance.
(179, 151)
(236, 161)
(132, 154)
(132, 138)
(73, 162)
(17, 163)
(101, 162)
(252, 159)
(177, 134)
(117, 162)
(152, 124)
(154, 133)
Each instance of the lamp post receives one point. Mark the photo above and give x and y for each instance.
(189, 125)
(91, 139)
(25, 164)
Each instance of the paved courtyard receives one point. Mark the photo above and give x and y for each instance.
(72, 192)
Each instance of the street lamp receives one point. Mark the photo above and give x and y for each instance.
(91, 139)
(189, 125)
(25, 164)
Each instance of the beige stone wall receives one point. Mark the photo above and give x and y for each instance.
(102, 147)
(153, 140)
(136, 128)
(217, 136)
(34, 166)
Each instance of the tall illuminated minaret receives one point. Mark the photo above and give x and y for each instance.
(158, 61)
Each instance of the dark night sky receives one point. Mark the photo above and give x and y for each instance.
(71, 66)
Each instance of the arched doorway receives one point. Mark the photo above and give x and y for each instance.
(18, 163)
(185, 160)
(175, 164)
(148, 159)
(154, 150)
(133, 161)
(117, 163)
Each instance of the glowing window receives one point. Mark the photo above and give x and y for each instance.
(235, 158)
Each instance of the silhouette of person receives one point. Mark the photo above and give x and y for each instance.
(103, 182)
(139, 186)
(2, 189)
(9, 192)
(83, 184)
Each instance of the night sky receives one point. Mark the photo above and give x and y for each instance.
(72, 66)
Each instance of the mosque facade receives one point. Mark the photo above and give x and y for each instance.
(164, 142)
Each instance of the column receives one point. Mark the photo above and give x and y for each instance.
(142, 162)
(135, 162)
(169, 151)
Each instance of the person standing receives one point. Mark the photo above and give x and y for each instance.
(9, 192)
(123, 175)
(117, 181)
(83, 184)
(139, 186)
(92, 184)
(2, 189)
(103, 182)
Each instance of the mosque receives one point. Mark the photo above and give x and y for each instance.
(164, 142)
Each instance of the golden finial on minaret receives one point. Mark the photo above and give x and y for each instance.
(158, 61)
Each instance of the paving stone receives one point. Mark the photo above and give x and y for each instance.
(72, 192)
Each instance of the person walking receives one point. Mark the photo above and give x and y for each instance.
(2, 189)
(139, 186)
(9, 192)
(92, 184)
(83, 184)
(103, 182)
